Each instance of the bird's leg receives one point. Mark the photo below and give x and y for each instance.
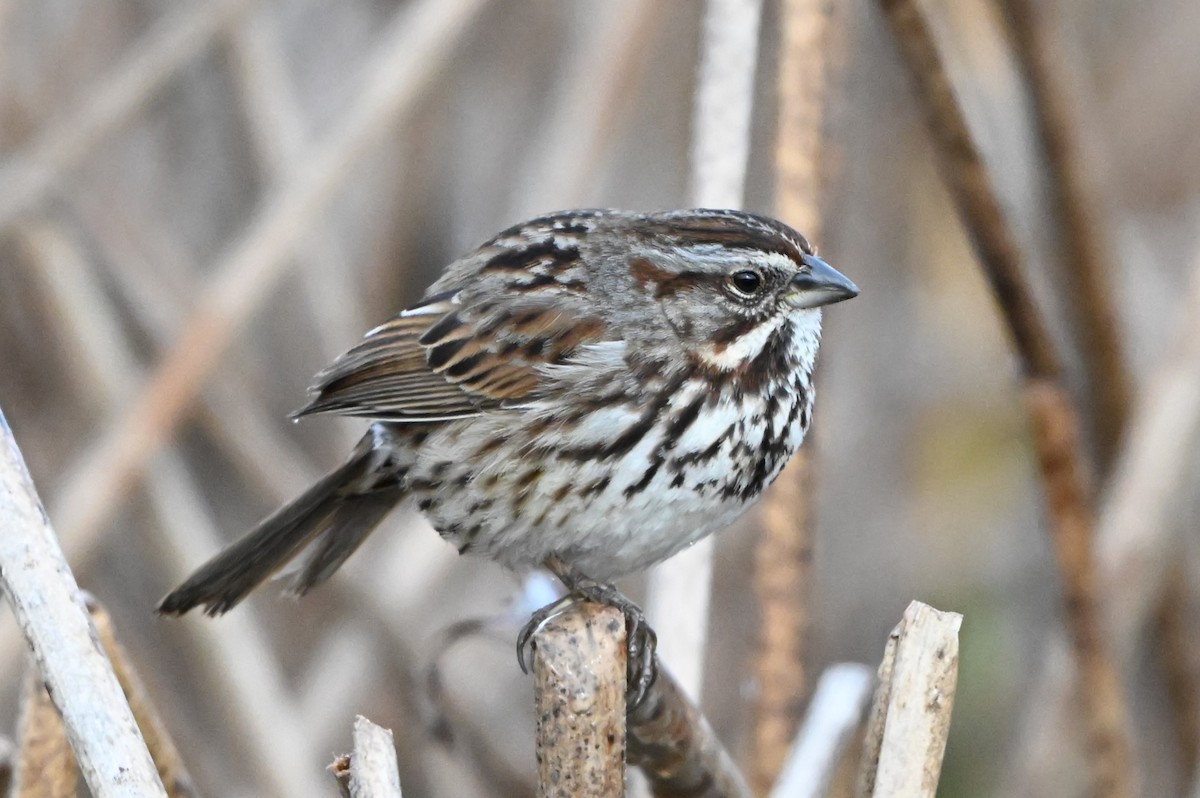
(640, 638)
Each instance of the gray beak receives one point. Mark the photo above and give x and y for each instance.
(820, 284)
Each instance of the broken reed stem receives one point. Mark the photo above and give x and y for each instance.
(677, 750)
(371, 771)
(1086, 268)
(579, 703)
(171, 768)
(1053, 418)
(41, 589)
(783, 557)
(910, 715)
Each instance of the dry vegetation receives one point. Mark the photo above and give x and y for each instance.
(202, 202)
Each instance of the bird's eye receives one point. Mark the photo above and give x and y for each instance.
(746, 282)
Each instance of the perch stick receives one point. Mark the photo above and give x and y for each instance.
(371, 771)
(45, 599)
(579, 703)
(910, 715)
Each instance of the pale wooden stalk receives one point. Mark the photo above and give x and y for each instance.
(679, 589)
(579, 703)
(1053, 417)
(416, 45)
(46, 601)
(910, 716)
(371, 770)
(834, 715)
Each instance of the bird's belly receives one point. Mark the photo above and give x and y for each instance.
(616, 493)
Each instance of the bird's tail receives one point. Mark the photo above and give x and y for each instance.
(329, 520)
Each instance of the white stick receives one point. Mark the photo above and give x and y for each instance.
(833, 716)
(43, 594)
(910, 718)
(678, 590)
(371, 771)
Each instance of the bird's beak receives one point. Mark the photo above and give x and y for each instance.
(820, 284)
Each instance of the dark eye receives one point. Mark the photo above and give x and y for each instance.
(746, 282)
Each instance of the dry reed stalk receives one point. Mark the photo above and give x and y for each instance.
(371, 770)
(680, 588)
(152, 62)
(45, 763)
(834, 716)
(610, 57)
(1136, 527)
(579, 703)
(42, 592)
(417, 44)
(1087, 266)
(677, 750)
(910, 717)
(783, 556)
(1053, 418)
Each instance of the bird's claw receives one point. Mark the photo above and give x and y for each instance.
(641, 642)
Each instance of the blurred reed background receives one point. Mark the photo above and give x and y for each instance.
(215, 198)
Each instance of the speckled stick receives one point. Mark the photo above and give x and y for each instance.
(579, 699)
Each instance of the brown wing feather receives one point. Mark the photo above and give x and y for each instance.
(444, 360)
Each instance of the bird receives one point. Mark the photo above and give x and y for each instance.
(590, 391)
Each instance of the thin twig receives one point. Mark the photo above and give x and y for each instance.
(834, 715)
(1053, 418)
(783, 577)
(579, 703)
(43, 594)
(910, 717)
(680, 588)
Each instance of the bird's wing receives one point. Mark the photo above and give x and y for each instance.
(453, 356)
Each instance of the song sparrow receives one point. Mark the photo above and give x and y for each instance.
(590, 390)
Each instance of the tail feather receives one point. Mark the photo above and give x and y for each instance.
(343, 532)
(344, 506)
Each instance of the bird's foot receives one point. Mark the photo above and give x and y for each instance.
(641, 641)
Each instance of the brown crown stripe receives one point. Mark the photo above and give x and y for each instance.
(734, 230)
